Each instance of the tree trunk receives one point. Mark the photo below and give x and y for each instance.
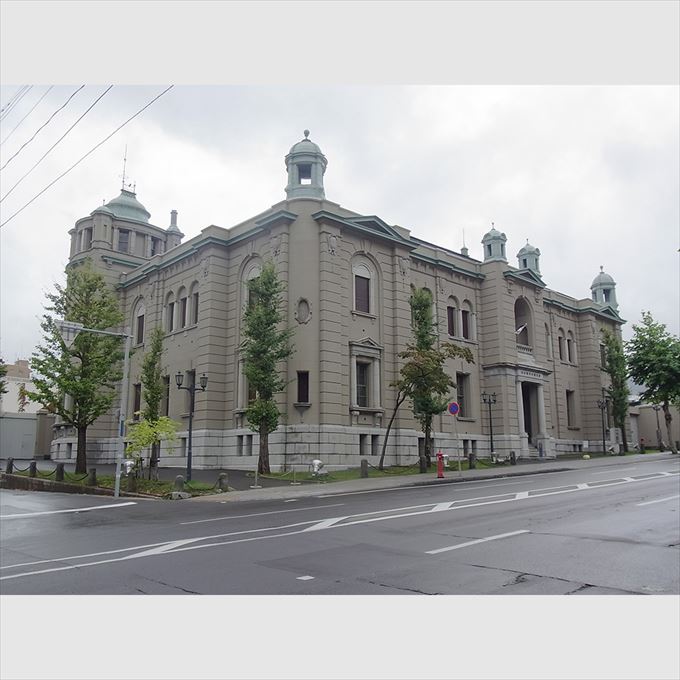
(81, 456)
(263, 462)
(624, 438)
(668, 418)
(153, 461)
(398, 403)
(424, 458)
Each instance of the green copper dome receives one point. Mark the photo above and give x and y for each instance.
(126, 206)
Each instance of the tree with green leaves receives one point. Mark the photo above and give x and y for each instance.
(3, 373)
(654, 361)
(78, 381)
(152, 428)
(423, 377)
(265, 344)
(615, 367)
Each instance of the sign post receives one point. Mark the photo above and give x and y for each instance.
(454, 409)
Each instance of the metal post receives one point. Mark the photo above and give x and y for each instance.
(602, 405)
(123, 411)
(192, 395)
(491, 427)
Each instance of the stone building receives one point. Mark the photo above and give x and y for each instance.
(348, 279)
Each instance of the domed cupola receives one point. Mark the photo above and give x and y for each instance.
(527, 258)
(306, 166)
(127, 207)
(603, 289)
(494, 245)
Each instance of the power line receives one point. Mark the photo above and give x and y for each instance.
(42, 126)
(55, 144)
(146, 106)
(27, 115)
(18, 96)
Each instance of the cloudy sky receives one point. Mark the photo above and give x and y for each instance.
(589, 174)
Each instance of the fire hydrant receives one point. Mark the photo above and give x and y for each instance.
(440, 465)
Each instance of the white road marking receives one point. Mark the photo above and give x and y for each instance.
(608, 472)
(331, 523)
(522, 494)
(260, 514)
(56, 512)
(305, 578)
(440, 507)
(325, 524)
(660, 500)
(290, 500)
(479, 540)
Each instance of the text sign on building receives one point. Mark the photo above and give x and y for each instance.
(453, 408)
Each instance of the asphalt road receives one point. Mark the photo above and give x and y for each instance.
(602, 530)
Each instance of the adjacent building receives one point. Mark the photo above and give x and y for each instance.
(348, 277)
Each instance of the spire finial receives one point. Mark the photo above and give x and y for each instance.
(463, 238)
(306, 134)
(601, 268)
(124, 163)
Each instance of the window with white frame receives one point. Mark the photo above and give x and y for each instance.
(362, 288)
(139, 316)
(365, 359)
(463, 394)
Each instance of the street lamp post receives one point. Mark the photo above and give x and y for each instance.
(203, 383)
(659, 443)
(489, 399)
(602, 404)
(69, 330)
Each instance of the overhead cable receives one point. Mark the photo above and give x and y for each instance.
(146, 106)
(16, 98)
(27, 115)
(41, 127)
(55, 144)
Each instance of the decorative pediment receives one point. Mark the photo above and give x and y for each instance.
(525, 276)
(366, 342)
(364, 226)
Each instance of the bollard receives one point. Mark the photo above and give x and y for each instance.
(132, 482)
(9, 466)
(472, 461)
(32, 469)
(364, 468)
(59, 473)
(92, 477)
(223, 482)
(513, 458)
(179, 483)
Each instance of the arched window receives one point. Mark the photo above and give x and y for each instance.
(138, 321)
(193, 300)
(467, 326)
(170, 313)
(183, 307)
(251, 272)
(452, 314)
(523, 324)
(571, 348)
(560, 344)
(362, 288)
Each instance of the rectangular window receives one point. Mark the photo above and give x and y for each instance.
(375, 444)
(571, 415)
(137, 401)
(194, 309)
(303, 387)
(239, 445)
(140, 329)
(165, 401)
(155, 246)
(603, 356)
(451, 318)
(363, 445)
(171, 316)
(462, 394)
(252, 394)
(87, 238)
(361, 294)
(570, 357)
(560, 347)
(305, 174)
(123, 240)
(183, 312)
(465, 317)
(362, 385)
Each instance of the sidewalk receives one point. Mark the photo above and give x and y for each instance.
(277, 488)
(286, 490)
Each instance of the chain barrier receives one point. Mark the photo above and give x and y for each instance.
(49, 474)
(18, 469)
(71, 478)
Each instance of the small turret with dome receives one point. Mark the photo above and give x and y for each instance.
(603, 289)
(494, 245)
(306, 166)
(527, 258)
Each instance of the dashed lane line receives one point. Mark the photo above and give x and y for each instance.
(260, 514)
(475, 542)
(660, 500)
(57, 512)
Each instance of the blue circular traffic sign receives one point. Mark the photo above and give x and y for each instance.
(453, 408)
